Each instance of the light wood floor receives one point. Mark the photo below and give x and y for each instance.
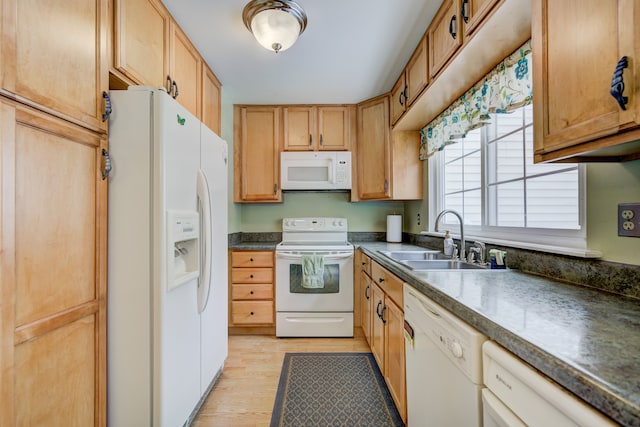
(245, 392)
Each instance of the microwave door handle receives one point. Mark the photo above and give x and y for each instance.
(332, 172)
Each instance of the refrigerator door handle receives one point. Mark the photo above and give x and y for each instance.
(204, 209)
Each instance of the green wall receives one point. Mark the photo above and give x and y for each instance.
(609, 184)
(362, 216)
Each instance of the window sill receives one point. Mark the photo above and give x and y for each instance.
(558, 250)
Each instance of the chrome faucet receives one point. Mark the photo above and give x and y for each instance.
(462, 242)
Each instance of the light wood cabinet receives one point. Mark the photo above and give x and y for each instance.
(577, 119)
(387, 333)
(411, 82)
(251, 305)
(472, 12)
(444, 36)
(141, 41)
(257, 136)
(362, 293)
(150, 48)
(53, 276)
(312, 128)
(54, 57)
(388, 167)
(185, 68)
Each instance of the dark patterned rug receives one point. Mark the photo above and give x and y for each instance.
(333, 389)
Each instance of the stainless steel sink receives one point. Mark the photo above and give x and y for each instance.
(441, 264)
(419, 255)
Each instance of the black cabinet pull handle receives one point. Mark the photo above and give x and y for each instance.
(169, 84)
(176, 92)
(366, 292)
(275, 188)
(617, 83)
(251, 259)
(107, 164)
(107, 106)
(321, 139)
(384, 308)
(250, 292)
(452, 26)
(251, 313)
(400, 98)
(310, 139)
(251, 276)
(378, 308)
(464, 11)
(404, 92)
(364, 263)
(380, 280)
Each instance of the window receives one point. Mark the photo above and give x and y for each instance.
(489, 178)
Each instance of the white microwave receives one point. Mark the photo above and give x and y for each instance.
(315, 170)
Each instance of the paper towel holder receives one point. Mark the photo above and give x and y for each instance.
(394, 228)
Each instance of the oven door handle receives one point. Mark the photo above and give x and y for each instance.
(284, 255)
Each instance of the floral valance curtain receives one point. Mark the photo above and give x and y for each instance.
(505, 88)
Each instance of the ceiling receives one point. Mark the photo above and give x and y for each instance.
(351, 50)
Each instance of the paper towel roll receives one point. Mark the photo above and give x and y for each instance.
(394, 228)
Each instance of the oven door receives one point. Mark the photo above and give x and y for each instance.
(334, 293)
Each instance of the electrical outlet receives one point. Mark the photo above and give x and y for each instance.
(629, 219)
(418, 218)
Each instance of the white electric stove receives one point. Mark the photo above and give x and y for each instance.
(314, 279)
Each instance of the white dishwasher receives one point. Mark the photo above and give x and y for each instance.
(518, 396)
(444, 365)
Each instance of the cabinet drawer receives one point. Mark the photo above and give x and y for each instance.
(388, 282)
(252, 275)
(365, 264)
(251, 312)
(252, 291)
(252, 259)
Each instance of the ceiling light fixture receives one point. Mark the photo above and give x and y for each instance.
(276, 24)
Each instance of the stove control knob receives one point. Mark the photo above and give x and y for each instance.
(456, 349)
(340, 223)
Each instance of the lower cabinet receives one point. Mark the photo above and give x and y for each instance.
(53, 252)
(387, 332)
(251, 292)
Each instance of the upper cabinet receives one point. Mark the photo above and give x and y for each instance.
(388, 167)
(312, 128)
(185, 70)
(150, 48)
(257, 135)
(575, 115)
(444, 35)
(53, 57)
(141, 41)
(465, 40)
(412, 81)
(211, 99)
(472, 12)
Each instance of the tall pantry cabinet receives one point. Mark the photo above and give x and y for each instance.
(53, 207)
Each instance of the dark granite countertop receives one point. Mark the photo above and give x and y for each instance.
(586, 340)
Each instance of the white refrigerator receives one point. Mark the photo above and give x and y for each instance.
(167, 260)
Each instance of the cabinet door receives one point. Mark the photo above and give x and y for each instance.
(185, 66)
(334, 128)
(53, 276)
(395, 357)
(570, 110)
(299, 128)
(417, 73)
(54, 57)
(211, 99)
(141, 41)
(473, 12)
(377, 341)
(398, 102)
(365, 305)
(256, 154)
(444, 35)
(374, 149)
